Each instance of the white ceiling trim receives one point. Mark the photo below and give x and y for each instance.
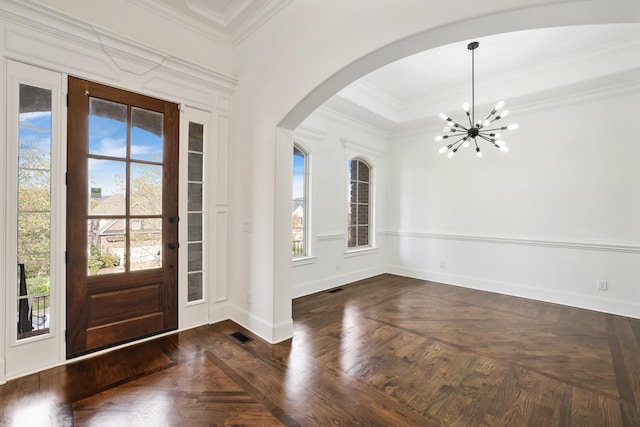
(368, 100)
(229, 28)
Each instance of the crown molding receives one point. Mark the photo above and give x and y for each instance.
(351, 144)
(127, 54)
(377, 102)
(604, 87)
(228, 29)
(309, 133)
(339, 116)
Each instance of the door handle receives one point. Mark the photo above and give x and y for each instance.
(173, 245)
(173, 219)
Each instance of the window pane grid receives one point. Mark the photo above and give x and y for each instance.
(34, 210)
(299, 205)
(195, 213)
(358, 205)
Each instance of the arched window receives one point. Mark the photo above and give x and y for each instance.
(299, 247)
(359, 204)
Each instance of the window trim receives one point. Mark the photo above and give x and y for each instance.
(20, 73)
(371, 244)
(307, 254)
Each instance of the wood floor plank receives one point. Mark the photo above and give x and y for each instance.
(386, 351)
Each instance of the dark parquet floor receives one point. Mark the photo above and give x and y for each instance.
(387, 351)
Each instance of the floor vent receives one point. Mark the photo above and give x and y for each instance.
(333, 291)
(241, 337)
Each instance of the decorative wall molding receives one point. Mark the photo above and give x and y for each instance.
(221, 158)
(221, 244)
(331, 236)
(609, 86)
(53, 36)
(224, 104)
(307, 132)
(340, 117)
(350, 144)
(630, 247)
(229, 28)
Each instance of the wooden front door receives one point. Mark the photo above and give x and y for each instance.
(122, 220)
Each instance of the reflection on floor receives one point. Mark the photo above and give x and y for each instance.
(385, 351)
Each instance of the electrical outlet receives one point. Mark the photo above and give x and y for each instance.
(602, 285)
(441, 264)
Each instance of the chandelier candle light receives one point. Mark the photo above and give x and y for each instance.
(481, 129)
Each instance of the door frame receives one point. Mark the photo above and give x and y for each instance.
(83, 335)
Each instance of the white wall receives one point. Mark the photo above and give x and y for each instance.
(546, 221)
(64, 45)
(320, 47)
(286, 68)
(330, 141)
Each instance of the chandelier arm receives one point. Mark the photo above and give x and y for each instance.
(490, 115)
(489, 140)
(459, 142)
(458, 124)
(492, 129)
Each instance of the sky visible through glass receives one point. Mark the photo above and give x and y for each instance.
(35, 134)
(108, 137)
(298, 175)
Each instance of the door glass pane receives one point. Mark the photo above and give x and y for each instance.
(146, 243)
(34, 211)
(107, 128)
(106, 246)
(146, 189)
(195, 167)
(195, 289)
(195, 257)
(146, 135)
(107, 187)
(195, 227)
(194, 197)
(196, 137)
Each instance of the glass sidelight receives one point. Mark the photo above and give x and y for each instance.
(34, 211)
(196, 210)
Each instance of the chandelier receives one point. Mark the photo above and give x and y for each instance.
(482, 129)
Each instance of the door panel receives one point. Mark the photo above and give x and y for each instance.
(122, 233)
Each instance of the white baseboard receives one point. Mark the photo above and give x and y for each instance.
(270, 332)
(622, 308)
(325, 283)
(219, 312)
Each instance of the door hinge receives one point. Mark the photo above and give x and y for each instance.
(66, 257)
(67, 100)
(66, 335)
(66, 178)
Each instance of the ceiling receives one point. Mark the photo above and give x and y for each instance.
(413, 90)
(507, 66)
(227, 21)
